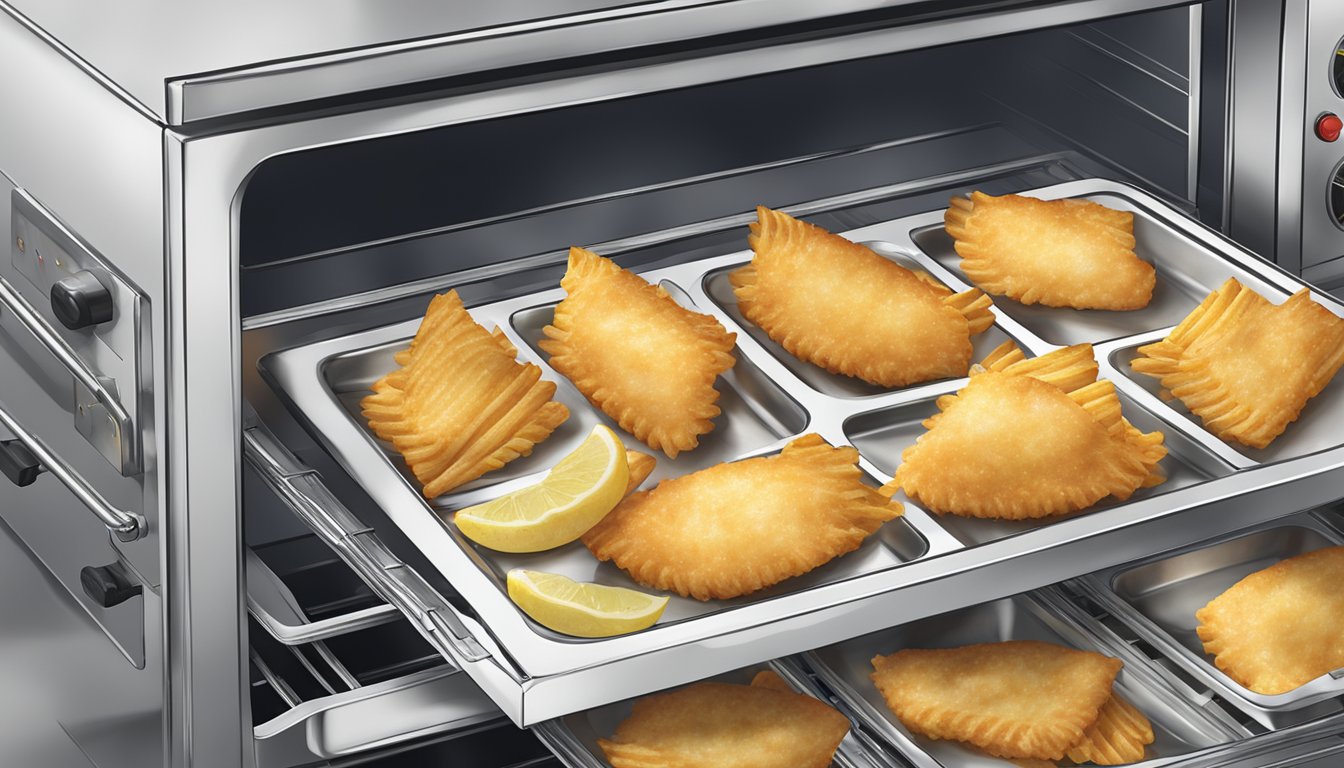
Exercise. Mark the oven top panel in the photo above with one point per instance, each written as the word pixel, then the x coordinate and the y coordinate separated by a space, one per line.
pixel 179 64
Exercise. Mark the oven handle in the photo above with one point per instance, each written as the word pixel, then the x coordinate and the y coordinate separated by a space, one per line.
pixel 127 526
pixel 60 349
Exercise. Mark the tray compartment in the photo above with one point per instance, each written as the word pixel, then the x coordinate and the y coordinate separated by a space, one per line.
pixel 1158 599
pixel 845 668
pixel 1314 430
pixel 881 436
pixel 574 737
pixel 720 291
pixel 1186 273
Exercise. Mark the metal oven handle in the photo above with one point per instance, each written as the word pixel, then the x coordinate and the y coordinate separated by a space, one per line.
pixel 127 526
pixel 27 316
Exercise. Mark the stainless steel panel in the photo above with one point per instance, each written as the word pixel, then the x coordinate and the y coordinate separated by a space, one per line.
pixel 846 667
pixel 1158 597
pixel 573 738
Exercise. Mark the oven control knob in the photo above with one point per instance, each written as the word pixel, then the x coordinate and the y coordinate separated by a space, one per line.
pixel 81 301
pixel 109 585
pixel 1329 126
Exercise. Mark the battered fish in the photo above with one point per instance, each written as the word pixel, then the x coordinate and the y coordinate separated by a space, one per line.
pixel 1282 627
pixel 647 362
pixel 1060 253
pixel 1246 367
pixel 840 306
pixel 1017 699
pixel 718 725
pixel 461 405
pixel 736 528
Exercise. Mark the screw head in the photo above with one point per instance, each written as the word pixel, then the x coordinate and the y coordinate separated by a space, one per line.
pixel 20 245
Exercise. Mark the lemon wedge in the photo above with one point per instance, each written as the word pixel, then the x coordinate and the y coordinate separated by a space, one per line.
pixel 577 493
pixel 580 609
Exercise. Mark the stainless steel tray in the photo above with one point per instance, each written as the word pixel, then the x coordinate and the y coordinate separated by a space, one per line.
pixel 1158 597
pixel 919 565
pixel 845 667
pixel 573 738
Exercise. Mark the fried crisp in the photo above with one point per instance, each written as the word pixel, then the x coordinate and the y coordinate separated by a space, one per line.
pixel 1281 627
pixel 647 362
pixel 461 404
pixel 839 305
pixel 768 678
pixel 1117 738
pixel 1017 699
pixel 736 528
pixel 641 466
pixel 718 725
pixel 1246 367
pixel 1060 253
pixel 1013 444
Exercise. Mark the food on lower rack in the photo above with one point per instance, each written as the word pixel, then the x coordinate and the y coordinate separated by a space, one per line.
pixel 581 609
pixel 1028 439
pixel 1060 253
pixel 1281 627
pixel 839 305
pixel 720 725
pixel 461 404
pixel 646 361
pixel 578 492
pixel 733 529
pixel 1245 366
pixel 1020 699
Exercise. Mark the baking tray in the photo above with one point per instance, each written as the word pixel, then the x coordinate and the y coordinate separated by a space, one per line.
pixel 1157 598
pixel 919 564
pixel 845 668
pixel 573 738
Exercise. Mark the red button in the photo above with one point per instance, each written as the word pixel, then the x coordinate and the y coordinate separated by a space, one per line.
pixel 1328 126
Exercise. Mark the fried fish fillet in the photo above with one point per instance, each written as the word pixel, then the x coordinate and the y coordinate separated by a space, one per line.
pixel 1060 253
pixel 736 528
pixel 719 725
pixel 1014 444
pixel 647 362
pixel 461 404
pixel 1017 699
pixel 1281 627
pixel 840 306
pixel 1245 366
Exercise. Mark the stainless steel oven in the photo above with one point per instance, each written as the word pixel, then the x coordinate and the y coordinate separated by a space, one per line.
pixel 222 220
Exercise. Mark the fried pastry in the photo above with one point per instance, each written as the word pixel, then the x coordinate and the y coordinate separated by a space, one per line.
pixel 1060 253
pixel 1281 627
pixel 768 678
pixel 719 725
pixel 647 362
pixel 732 529
pixel 641 466
pixel 840 306
pixel 461 404
pixel 1119 736
pixel 1245 366
pixel 1026 439
pixel 1017 699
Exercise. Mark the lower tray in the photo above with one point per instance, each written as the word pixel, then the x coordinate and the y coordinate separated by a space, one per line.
pixel 846 667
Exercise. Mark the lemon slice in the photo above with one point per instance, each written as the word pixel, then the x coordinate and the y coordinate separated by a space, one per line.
pixel 582 610
pixel 576 494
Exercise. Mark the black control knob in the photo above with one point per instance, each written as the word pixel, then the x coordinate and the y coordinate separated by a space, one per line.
pixel 18 463
pixel 81 301
pixel 109 585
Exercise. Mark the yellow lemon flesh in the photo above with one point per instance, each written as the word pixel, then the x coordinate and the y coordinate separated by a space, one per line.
pixel 576 494
pixel 582 610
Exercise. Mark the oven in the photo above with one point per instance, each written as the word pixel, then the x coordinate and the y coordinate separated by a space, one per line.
pixel 223 222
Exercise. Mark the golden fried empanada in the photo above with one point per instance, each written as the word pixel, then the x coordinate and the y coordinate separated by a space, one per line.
pixel 646 361
pixel 839 305
pixel 1118 737
pixel 1245 366
pixel 1281 627
pixel 768 678
pixel 1013 444
pixel 735 528
pixel 461 404
pixel 1017 699
pixel 1060 253
pixel 719 725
